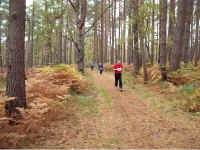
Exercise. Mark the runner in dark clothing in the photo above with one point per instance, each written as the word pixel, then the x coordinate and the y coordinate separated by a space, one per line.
pixel 100 68
pixel 118 74
pixel 92 66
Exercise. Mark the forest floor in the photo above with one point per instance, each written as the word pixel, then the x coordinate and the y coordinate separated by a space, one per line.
pixel 138 117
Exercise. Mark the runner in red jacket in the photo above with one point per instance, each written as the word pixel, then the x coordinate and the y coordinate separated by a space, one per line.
pixel 118 74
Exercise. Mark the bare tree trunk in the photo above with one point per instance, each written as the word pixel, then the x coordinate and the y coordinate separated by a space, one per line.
pixel 70 53
pixel 197 47
pixel 152 36
pixel 105 32
pixel 60 50
pixel 30 49
pixel 144 60
pixel 135 5
pixel 28 44
pixel 95 56
pixel 101 54
pixel 47 50
pixel 110 32
pixel 119 36
pixel 162 38
pixel 15 54
pixel 113 34
pixel 80 21
pixel 192 39
pixel 130 37
pixel 179 35
pixel 171 31
pixel 65 50
pixel 1 60
pixel 124 33
pixel 189 14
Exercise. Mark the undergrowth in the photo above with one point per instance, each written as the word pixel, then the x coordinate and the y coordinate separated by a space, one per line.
pixel 50 95
pixel 182 89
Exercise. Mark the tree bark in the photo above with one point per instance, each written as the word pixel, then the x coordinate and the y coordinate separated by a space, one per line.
pixel 15 54
pixel 189 13
pixel 60 50
pixel 197 47
pixel 70 52
pixel 113 34
pixel 101 54
pixel 30 49
pixel 95 54
pixel 105 32
pixel 1 61
pixel 171 31
pixel 135 6
pixel 124 33
pixel 119 35
pixel 130 36
pixel 176 59
pixel 65 50
pixel 162 38
pixel 152 36
pixel 47 50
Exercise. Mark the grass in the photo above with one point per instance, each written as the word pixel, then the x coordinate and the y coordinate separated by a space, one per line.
pixel 112 142
pixel 162 102
pixel 106 97
pixel 86 104
pixel 3 85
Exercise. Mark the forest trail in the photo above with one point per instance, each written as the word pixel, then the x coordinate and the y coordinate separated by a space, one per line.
pixel 134 124
pixel 124 120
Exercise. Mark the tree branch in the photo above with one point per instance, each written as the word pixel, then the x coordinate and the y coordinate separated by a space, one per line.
pixel 73 5
pixel 98 18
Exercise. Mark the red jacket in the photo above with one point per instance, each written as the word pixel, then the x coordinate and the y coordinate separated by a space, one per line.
pixel 118 68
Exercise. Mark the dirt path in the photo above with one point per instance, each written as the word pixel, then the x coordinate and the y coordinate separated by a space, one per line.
pixel 126 121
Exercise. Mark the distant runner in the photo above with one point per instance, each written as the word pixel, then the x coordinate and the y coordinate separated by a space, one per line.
pixel 92 66
pixel 118 74
pixel 100 68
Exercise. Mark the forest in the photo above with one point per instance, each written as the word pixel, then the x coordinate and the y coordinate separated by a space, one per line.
pixel 61 61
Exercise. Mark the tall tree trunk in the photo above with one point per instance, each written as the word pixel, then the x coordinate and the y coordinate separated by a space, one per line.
pixel 192 39
pixel 113 34
pixel 80 50
pixel 70 52
pixel 130 36
pixel 1 61
pixel 47 50
pixel 30 49
pixel 176 59
pixel 15 54
pixel 119 35
pixel 135 6
pixel 197 47
pixel 152 35
pixel 95 54
pixel 28 43
pixel 102 33
pixel 80 22
pixel 189 13
pixel 143 39
pixel 105 32
pixel 171 30
pixel 124 33
pixel 60 50
pixel 162 38
pixel 65 50
pixel 144 59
